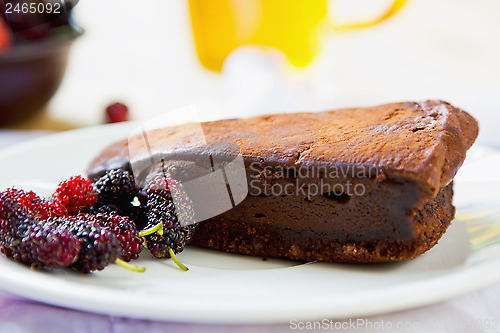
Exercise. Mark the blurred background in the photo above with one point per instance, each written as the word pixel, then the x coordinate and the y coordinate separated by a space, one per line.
pixel 144 55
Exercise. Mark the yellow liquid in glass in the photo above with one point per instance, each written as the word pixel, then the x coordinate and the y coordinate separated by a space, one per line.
pixel 220 26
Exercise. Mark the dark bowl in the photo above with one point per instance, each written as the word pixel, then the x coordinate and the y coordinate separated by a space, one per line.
pixel 30 74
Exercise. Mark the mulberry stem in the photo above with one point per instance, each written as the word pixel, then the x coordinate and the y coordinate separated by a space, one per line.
pixel 130 267
pixel 152 230
pixel 177 262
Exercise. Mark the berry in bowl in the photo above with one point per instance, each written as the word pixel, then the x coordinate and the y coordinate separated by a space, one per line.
pixel 35 38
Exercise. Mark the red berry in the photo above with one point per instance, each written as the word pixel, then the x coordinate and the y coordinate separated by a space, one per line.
pixel 34 205
pixel 116 113
pixel 75 194
pixel 5 37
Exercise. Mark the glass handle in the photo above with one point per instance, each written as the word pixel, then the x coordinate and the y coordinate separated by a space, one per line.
pixel 396 6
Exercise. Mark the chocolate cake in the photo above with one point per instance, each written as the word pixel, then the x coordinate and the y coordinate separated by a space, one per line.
pixel 359 185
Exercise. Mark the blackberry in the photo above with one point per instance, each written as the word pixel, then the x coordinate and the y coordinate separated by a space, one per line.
pixel 136 214
pixel 138 210
pixel 110 209
pixel 116 186
pixel 175 238
pixel 99 247
pixel 161 208
pixel 172 233
pixel 10 207
pixel 46 245
pixel 124 230
pixel 14 217
pixel 14 222
pixel 12 232
pixel 75 194
pixel 173 191
pixel 139 216
pixel 26 239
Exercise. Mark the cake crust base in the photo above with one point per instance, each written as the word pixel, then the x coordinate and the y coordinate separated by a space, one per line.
pixel 267 240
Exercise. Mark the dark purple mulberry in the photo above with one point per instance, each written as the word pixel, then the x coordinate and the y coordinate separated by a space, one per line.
pixel 116 186
pixel 124 230
pixel 99 247
pixel 30 241
pixel 46 245
pixel 177 218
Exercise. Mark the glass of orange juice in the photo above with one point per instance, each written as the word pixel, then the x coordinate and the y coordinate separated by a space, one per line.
pixel 220 26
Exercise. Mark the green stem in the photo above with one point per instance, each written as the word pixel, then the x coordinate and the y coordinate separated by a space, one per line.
pixel 130 267
pixel 151 230
pixel 177 262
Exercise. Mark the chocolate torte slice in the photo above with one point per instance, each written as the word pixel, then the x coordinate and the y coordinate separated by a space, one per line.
pixel 360 185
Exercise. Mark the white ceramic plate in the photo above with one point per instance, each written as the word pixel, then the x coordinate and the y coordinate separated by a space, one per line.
pixel 231 288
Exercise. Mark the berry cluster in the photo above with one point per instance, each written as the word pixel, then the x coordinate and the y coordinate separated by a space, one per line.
pixel 166 226
pixel 87 226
